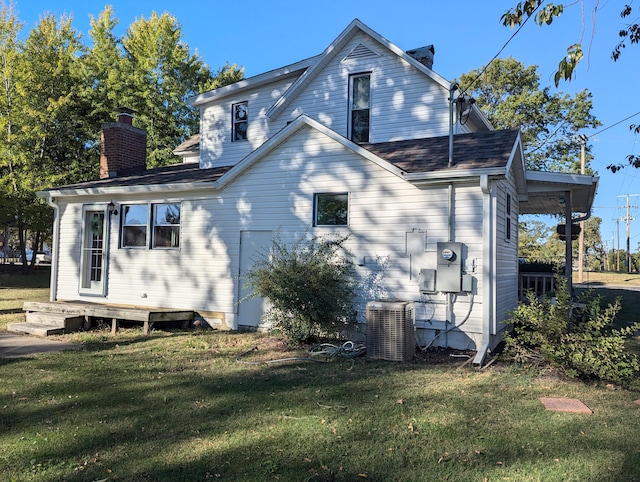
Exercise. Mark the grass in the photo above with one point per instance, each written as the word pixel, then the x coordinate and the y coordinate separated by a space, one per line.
pixel 198 405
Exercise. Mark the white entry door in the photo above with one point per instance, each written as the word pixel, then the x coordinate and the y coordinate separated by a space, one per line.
pixel 94 252
pixel 252 245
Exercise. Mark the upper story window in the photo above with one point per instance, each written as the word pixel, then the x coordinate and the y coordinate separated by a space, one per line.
pixel 331 209
pixel 359 107
pixel 240 118
pixel 162 228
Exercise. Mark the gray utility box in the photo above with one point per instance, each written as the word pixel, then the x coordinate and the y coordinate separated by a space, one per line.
pixel 449 278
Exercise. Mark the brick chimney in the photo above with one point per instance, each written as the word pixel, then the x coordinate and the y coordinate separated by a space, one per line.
pixel 123 148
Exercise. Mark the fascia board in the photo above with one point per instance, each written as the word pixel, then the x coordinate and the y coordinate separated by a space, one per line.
pixel 561 178
pixel 520 170
pixel 453 175
pixel 287 132
pixel 252 82
pixel 125 190
pixel 332 50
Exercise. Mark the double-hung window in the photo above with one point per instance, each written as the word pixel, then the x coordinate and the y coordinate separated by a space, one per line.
pixel 155 225
pixel 135 218
pixel 166 226
pixel 240 120
pixel 331 209
pixel 359 107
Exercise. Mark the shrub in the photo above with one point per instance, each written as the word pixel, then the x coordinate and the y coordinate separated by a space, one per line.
pixel 579 338
pixel 309 286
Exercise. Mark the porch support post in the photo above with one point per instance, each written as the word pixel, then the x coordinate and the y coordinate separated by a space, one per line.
pixel 568 268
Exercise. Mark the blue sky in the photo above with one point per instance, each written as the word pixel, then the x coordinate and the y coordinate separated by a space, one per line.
pixel 262 35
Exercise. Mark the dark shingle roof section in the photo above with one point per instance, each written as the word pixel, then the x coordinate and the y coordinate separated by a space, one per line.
pixel 175 174
pixel 190 145
pixel 484 149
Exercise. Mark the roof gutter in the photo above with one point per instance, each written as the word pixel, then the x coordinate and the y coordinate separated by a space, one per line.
pixel 452 174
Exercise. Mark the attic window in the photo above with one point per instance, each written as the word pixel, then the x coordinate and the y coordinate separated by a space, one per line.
pixel 240 118
pixel 359 107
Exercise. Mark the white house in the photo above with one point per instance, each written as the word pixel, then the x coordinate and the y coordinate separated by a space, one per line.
pixel 360 140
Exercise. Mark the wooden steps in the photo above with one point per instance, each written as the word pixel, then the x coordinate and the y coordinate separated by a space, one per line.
pixel 45 324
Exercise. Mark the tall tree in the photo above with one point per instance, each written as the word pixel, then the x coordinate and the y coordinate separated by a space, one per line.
pixel 544 13
pixel 511 96
pixel 162 74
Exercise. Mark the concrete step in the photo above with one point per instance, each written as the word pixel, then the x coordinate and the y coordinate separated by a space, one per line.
pixel 58 320
pixel 34 329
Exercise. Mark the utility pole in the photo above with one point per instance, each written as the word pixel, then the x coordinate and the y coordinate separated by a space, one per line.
pixel 583 143
pixel 627 218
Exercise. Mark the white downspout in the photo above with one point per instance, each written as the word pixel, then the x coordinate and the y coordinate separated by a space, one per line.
pixel 53 290
pixel 450 207
pixel 488 274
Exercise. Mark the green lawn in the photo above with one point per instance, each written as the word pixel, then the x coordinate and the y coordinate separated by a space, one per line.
pixel 184 405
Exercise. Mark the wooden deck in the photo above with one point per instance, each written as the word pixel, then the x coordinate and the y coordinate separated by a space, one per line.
pixel 148 316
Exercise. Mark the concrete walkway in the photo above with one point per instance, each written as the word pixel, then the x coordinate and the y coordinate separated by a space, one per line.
pixel 13 346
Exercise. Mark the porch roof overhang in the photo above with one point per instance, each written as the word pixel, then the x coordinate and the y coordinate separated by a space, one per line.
pixel 547 193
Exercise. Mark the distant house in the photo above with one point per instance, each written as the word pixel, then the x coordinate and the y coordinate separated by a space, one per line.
pixel 361 140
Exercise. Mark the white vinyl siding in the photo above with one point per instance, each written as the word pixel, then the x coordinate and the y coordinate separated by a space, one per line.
pixel 506 253
pixel 406 105
pixel 277 192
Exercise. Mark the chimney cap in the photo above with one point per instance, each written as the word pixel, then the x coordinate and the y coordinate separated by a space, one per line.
pixel 125 110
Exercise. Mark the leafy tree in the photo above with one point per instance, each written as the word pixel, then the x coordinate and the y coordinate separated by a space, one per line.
pixel 56 93
pixel 511 96
pixel 162 74
pixel 539 243
pixel 544 13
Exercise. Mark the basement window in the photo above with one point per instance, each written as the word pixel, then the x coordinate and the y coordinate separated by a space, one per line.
pixel 240 119
pixel 331 209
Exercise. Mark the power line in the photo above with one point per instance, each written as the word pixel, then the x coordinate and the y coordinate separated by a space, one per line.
pixel 502 49
pixel 613 125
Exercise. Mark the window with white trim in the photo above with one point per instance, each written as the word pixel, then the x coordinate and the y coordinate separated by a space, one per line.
pixel 135 219
pixel 359 107
pixel 240 120
pixel 166 226
pixel 507 227
pixel 331 209
pixel 154 225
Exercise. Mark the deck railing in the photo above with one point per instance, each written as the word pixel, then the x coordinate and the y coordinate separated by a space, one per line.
pixel 540 283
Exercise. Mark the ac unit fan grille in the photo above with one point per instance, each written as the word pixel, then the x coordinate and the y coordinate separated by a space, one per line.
pixel 390 333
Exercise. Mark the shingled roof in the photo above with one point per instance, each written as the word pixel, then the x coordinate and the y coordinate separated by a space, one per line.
pixel 470 151
pixel 484 149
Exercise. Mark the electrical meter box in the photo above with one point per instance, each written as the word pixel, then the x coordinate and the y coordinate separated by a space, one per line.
pixel 449 267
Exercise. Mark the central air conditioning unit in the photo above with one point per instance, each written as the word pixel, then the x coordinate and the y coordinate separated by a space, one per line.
pixel 390 334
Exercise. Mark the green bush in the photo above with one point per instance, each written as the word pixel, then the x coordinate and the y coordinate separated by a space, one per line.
pixel 309 286
pixel 580 338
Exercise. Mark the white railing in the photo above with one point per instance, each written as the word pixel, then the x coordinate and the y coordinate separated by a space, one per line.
pixel 539 283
